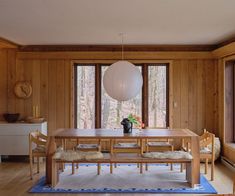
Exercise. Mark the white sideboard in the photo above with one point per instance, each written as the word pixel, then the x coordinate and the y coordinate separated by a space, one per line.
pixel 14 137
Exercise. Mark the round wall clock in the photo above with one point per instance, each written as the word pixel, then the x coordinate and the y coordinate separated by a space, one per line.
pixel 23 89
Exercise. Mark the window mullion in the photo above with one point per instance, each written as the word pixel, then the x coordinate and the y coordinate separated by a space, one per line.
pixel 97 96
pixel 145 95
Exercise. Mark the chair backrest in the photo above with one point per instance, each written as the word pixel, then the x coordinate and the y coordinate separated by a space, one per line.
pixel 160 140
pixel 207 139
pixel 36 138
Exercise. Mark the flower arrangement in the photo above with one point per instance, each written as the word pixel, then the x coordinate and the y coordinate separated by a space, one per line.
pixel 136 120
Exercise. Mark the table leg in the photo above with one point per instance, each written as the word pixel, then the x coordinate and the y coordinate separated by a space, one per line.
pixel 193 171
pixel 51 148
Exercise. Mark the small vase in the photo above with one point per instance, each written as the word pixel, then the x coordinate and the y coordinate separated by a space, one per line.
pixel 127 125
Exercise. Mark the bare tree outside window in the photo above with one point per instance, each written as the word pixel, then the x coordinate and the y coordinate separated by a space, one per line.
pixel 113 111
pixel 157 102
pixel 85 97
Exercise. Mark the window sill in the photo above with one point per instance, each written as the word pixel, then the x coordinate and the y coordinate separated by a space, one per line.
pixel 230 145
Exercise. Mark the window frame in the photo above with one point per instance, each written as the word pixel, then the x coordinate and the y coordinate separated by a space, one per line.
pixel 98 88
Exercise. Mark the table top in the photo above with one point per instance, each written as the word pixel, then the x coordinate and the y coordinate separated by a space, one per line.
pixel 118 133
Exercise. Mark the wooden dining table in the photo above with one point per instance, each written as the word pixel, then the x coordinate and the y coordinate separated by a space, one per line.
pixel 192 176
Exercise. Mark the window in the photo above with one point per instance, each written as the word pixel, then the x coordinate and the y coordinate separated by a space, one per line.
pixel 95 109
pixel 229 101
pixel 157 96
pixel 85 96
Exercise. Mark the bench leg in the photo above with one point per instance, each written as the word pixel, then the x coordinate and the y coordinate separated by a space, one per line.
pixel 181 167
pixel 55 174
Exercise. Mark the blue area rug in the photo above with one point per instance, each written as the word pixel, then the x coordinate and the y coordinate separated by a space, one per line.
pixel 86 181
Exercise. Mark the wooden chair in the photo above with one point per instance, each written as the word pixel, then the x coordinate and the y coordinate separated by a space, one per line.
pixel 37 148
pixel 86 147
pixel 158 145
pixel 125 146
pixel 207 150
pixel 208 153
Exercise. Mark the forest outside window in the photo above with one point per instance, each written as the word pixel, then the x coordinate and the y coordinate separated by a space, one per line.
pixel 95 109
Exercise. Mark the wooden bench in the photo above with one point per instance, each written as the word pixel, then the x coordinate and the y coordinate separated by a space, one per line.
pixel 122 158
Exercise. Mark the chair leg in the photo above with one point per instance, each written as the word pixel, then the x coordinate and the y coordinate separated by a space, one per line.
pixel 63 167
pixel 115 165
pixel 206 166
pixel 77 166
pixel 98 168
pixel 37 164
pixel 111 168
pixel 141 167
pixel 138 165
pixel 212 169
pixel 31 167
pixel 171 165
pixel 146 166
pixel 73 168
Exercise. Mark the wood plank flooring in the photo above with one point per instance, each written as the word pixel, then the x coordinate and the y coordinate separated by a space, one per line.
pixel 15 180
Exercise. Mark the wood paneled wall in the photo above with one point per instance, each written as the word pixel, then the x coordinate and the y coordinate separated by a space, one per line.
pixel 193 79
pixel 195 95
pixel 50 81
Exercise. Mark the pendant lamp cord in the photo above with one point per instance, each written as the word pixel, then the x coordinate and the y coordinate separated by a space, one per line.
pixel 122 36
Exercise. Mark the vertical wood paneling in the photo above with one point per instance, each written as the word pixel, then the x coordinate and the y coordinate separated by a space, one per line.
pixel 3 82
pixel 60 97
pixel 184 96
pixel 28 76
pixel 11 78
pixel 201 96
pixel 176 93
pixel 52 64
pixel 20 76
pixel 67 93
pixel 192 95
pixel 44 91
pixel 210 93
pixel 35 85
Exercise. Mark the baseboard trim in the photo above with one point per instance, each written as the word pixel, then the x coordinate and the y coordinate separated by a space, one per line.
pixel 229 164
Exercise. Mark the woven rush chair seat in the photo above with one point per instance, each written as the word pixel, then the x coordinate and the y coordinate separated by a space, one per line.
pixel 40 149
pixel 205 150
pixel 88 146
pixel 159 144
pixel 126 145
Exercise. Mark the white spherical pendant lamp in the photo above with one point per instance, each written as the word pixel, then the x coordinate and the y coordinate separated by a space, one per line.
pixel 122 81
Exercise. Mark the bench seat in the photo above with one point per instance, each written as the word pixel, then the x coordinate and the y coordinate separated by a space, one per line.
pixel 117 158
